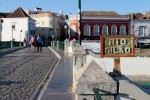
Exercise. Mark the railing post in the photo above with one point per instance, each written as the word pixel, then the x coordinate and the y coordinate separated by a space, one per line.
pixel 66 45
pixel 58 44
pixel 51 43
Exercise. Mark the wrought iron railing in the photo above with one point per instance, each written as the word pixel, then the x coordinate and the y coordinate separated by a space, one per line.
pixel 61 46
pixel 97 96
pixel 55 44
pixel 7 44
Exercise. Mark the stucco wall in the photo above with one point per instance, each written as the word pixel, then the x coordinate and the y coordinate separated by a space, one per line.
pixel 135 24
pixel 129 65
pixel 20 24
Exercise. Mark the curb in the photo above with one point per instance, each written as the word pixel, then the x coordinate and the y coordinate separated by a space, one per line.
pixel 38 92
pixel 6 51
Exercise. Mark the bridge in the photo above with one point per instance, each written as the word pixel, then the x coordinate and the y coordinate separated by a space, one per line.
pixel 27 75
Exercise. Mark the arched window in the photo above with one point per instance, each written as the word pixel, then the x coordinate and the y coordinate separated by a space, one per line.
pixel 122 30
pixel 87 30
pixel 114 30
pixel 96 30
pixel 73 30
pixel 105 30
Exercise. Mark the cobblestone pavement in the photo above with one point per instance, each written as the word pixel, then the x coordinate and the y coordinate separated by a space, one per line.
pixel 22 71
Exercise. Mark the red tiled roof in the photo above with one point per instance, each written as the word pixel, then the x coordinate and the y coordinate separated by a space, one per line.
pixel 4 15
pixel 104 14
pixel 99 13
pixel 136 16
pixel 18 13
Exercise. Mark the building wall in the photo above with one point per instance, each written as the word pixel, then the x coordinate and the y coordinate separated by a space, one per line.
pixel 135 24
pixel 100 22
pixel 20 24
pixel 47 24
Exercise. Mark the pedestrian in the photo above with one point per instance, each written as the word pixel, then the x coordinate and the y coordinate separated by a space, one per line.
pixel 24 42
pixel 39 43
pixel 32 43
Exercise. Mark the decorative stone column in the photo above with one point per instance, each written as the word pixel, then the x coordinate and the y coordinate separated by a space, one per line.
pixel 57 44
pixel 78 61
pixel 51 43
pixel 79 58
pixel 66 43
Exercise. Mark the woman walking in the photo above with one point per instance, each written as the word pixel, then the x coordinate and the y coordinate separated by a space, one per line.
pixel 32 43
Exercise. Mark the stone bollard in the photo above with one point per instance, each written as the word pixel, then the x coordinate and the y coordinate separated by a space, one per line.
pixel 51 43
pixel 57 44
pixel 66 42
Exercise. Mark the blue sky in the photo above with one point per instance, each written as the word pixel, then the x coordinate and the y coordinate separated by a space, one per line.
pixel 71 6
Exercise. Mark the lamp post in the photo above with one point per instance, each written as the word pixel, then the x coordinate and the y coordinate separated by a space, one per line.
pixel 12 28
pixel 1 21
pixel 66 28
pixel 79 22
pixel 20 37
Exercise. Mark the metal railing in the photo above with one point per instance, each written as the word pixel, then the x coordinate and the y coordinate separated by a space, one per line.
pixel 97 96
pixel 61 46
pixel 55 44
pixel 7 44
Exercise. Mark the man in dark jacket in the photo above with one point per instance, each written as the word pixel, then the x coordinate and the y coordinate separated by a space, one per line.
pixel 39 43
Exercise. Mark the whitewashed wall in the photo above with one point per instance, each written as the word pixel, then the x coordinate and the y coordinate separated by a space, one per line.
pixel 129 65
pixel 21 24
pixel 134 26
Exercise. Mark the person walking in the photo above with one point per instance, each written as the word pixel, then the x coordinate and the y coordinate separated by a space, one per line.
pixel 24 42
pixel 32 43
pixel 39 43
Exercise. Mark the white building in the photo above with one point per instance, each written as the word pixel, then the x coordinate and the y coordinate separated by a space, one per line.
pixel 17 26
pixel 47 23
pixel 140 25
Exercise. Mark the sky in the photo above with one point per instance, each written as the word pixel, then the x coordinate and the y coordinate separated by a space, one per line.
pixel 71 6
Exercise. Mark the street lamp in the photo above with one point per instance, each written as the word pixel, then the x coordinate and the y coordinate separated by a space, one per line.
pixel 66 28
pixel 1 21
pixel 12 28
pixel 79 22
pixel 20 36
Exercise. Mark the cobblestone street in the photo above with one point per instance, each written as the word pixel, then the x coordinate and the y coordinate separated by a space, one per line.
pixel 22 71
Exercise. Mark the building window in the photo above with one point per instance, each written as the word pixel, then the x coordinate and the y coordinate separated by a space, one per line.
pixel 105 30
pixel 114 30
pixel 96 30
pixel 141 31
pixel 51 23
pixel 122 30
pixel 87 30
pixel 73 30
pixel 42 22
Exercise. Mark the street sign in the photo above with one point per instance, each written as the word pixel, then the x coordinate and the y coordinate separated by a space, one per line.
pixel 117 46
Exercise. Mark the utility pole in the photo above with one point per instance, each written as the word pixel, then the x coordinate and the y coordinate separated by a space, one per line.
pixel 79 22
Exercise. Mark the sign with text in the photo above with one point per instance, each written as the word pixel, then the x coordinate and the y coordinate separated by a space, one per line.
pixel 117 46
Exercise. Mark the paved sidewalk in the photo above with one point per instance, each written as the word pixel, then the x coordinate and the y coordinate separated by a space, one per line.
pixel 60 86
